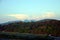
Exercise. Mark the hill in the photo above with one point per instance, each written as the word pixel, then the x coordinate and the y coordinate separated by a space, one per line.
pixel 46 26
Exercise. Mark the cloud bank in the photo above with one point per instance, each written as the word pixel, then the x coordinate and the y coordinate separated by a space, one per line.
pixel 33 17
pixel 48 15
pixel 19 16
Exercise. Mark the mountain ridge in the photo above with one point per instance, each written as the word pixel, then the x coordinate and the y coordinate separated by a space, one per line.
pixel 46 26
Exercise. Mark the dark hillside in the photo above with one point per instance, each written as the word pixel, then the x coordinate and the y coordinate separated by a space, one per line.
pixel 46 26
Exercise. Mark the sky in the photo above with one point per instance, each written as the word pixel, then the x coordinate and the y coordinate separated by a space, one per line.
pixel 11 10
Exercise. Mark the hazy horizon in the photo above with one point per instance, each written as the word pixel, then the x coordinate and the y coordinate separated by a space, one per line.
pixel 12 10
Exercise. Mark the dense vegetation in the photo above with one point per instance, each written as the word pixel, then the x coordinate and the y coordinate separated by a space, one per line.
pixel 46 26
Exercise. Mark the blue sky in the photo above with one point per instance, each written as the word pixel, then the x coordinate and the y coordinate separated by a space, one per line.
pixel 29 9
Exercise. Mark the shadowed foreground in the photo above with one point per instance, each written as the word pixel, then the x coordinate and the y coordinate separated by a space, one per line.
pixel 21 36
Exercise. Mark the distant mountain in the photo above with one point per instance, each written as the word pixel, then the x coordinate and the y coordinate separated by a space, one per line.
pixel 46 26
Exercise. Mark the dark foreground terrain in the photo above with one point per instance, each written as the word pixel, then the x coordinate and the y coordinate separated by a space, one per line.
pixel 8 36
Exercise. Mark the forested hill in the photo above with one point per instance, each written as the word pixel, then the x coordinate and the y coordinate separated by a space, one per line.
pixel 46 26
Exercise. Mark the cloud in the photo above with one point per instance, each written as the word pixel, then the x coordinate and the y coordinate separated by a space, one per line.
pixel 33 17
pixel 48 15
pixel 19 16
pixel 44 16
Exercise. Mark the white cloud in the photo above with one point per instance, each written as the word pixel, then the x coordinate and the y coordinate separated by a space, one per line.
pixel 44 16
pixel 33 17
pixel 48 15
pixel 19 16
